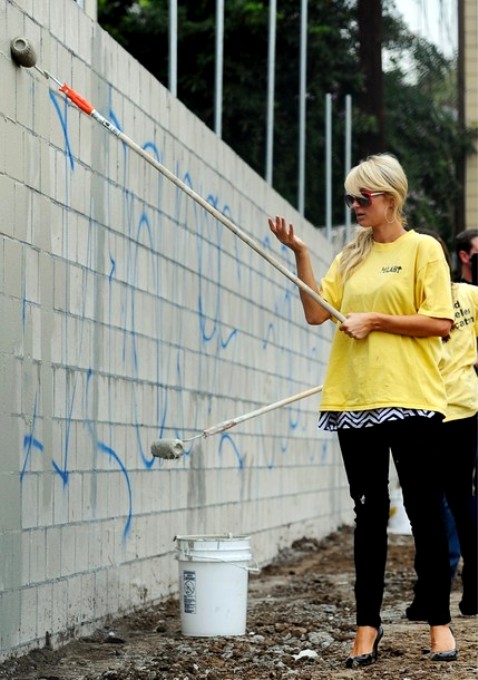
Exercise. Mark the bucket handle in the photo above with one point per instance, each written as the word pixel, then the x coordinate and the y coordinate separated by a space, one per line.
pixel 252 570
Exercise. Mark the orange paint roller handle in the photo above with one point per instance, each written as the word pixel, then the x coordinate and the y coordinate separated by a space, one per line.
pixel 77 99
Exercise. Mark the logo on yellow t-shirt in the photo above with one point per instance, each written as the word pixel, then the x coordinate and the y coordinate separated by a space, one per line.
pixel 394 269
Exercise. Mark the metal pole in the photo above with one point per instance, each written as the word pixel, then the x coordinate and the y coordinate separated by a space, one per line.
pixel 270 90
pixel 219 66
pixel 173 47
pixel 302 101
pixel 328 165
pixel 348 157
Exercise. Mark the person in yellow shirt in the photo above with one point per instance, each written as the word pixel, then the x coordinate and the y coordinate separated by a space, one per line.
pixel 466 249
pixel 459 437
pixel 383 390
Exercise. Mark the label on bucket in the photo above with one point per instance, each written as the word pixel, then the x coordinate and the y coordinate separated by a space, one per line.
pixel 189 592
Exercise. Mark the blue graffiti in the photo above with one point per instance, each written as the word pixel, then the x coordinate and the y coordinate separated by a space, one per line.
pixel 142 232
pixel 63 115
pixel 227 439
pixel 104 448
pixel 112 454
pixel 30 442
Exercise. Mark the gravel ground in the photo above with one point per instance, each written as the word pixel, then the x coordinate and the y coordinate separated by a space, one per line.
pixel 300 624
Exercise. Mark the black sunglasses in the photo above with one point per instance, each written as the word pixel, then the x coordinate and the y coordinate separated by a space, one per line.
pixel 364 200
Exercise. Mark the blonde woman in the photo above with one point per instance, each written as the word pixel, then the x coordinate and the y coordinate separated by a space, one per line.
pixel 383 390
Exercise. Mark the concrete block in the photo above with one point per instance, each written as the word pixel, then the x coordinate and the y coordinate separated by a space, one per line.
pixel 60 607
pixel 58 20
pixel 81 548
pixel 28 614
pixel 45 611
pixel 53 552
pixel 14 140
pixel 75 491
pixel 24 100
pixel 101 590
pixel 10 603
pixel 14 80
pixel 14 21
pixel 7 196
pixel 68 550
pixel 13 253
pixel 37 556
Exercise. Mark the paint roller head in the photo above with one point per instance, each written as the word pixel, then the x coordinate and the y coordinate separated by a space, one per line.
pixel 167 448
pixel 22 52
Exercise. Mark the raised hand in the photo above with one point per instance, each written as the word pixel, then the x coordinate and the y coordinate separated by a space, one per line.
pixel 285 233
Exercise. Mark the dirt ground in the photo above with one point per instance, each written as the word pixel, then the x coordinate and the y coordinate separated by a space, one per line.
pixel 303 602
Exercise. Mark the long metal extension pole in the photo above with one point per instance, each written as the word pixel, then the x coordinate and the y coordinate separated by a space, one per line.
pixel 85 106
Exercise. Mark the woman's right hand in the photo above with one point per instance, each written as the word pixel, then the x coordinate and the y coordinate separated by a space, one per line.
pixel 285 234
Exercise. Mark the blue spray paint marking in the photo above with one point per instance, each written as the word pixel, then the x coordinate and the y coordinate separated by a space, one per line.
pixel 63 470
pixel 113 117
pixel 55 98
pixel 216 324
pixel 113 268
pixel 30 442
pixel 129 210
pixel 227 439
pixel 226 211
pixel 110 452
pixel 130 335
pixel 24 312
pixel 142 225
pixel 230 337
pixel 150 146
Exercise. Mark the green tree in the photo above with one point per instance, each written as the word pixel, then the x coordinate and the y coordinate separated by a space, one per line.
pixel 423 130
pixel 420 119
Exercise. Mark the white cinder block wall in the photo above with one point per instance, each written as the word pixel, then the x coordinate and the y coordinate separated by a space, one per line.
pixel 128 314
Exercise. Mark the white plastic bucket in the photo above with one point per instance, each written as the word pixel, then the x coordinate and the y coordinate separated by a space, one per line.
pixel 398 522
pixel 213 578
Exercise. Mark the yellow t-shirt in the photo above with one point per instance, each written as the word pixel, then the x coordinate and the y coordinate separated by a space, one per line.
pixel 408 276
pixel 459 354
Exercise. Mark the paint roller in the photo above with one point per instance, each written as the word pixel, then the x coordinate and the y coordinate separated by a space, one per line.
pixel 24 55
pixel 174 448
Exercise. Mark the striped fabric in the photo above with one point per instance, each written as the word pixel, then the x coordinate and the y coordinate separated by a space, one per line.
pixel 336 420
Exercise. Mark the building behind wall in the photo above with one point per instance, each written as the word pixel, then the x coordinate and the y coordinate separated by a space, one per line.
pixel 469 33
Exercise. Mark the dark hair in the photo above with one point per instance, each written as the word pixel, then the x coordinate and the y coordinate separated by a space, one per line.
pixel 463 240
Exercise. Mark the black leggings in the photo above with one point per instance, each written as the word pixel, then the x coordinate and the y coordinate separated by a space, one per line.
pixel 459 446
pixel 414 443
pixel 458 450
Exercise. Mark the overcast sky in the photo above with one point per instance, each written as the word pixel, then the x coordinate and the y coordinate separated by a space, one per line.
pixel 435 20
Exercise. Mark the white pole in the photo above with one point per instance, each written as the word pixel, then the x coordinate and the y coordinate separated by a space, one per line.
pixel 328 165
pixel 270 91
pixel 302 101
pixel 173 47
pixel 348 158
pixel 219 66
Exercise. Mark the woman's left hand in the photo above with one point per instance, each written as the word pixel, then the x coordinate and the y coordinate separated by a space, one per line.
pixel 357 325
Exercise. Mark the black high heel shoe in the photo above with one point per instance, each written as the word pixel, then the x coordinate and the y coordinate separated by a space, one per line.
pixel 365 659
pixel 449 655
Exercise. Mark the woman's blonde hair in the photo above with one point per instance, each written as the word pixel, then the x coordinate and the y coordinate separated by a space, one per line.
pixel 380 172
